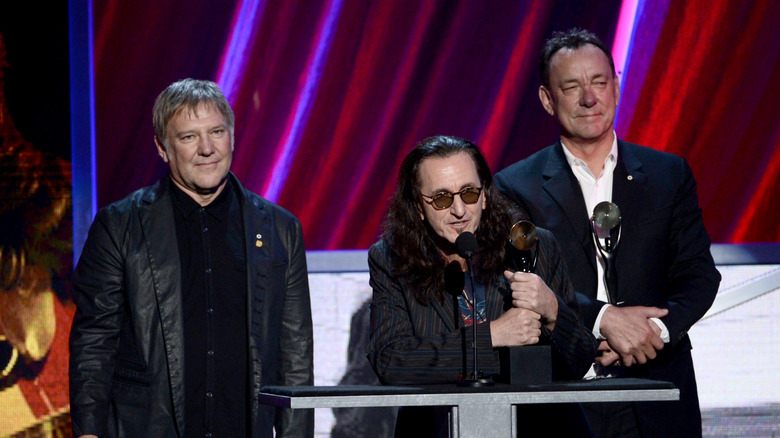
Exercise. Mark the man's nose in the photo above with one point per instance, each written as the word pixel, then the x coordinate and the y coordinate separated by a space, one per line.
pixel 458 207
pixel 206 146
pixel 588 97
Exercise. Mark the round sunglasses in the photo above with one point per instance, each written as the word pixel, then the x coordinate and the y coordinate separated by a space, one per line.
pixel 442 200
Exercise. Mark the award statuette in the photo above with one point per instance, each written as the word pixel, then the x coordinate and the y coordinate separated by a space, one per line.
pixel 527 364
pixel 522 249
pixel 605 224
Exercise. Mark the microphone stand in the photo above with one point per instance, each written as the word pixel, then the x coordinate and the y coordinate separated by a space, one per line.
pixel 476 379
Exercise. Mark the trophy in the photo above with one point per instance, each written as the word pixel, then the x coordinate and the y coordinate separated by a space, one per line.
pixel 606 222
pixel 523 239
pixel 528 364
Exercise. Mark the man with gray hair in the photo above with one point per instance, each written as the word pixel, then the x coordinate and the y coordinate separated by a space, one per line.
pixel 191 294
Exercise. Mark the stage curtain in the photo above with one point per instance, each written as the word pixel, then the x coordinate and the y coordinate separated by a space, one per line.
pixel 330 95
pixel 702 83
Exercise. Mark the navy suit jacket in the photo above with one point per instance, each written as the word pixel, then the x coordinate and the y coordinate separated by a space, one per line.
pixel 663 258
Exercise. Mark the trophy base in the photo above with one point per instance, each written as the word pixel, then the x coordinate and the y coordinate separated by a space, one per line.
pixel 526 365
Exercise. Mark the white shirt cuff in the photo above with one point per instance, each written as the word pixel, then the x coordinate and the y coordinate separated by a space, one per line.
pixel 596 331
pixel 664 330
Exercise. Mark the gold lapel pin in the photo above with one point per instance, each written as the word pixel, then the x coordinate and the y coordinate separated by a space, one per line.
pixel 258 242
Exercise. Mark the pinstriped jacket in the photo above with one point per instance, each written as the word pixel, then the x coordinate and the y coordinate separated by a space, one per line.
pixel 414 343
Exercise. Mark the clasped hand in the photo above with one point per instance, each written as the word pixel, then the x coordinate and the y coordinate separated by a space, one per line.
pixel 530 292
pixel 533 303
pixel 631 336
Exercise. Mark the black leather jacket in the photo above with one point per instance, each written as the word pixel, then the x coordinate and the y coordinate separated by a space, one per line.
pixel 126 342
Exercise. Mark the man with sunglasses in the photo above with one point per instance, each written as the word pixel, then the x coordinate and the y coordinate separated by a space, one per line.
pixel 422 304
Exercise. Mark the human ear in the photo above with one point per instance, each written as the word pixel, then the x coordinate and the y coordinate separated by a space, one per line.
pixel 546 97
pixel 162 151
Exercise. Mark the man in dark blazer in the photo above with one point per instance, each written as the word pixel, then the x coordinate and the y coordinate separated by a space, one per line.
pixel 191 295
pixel 666 278
pixel 422 305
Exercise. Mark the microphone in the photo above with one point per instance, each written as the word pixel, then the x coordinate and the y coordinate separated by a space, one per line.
pixel 466 245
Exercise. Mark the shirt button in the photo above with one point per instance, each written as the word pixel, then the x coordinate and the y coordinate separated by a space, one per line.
pixel 209 394
pixel 201 210
pixel 206 229
pixel 209 310
pixel 210 352
pixel 208 270
pixel 208 435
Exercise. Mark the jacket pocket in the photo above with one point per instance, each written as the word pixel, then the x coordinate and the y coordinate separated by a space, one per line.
pixel 133 373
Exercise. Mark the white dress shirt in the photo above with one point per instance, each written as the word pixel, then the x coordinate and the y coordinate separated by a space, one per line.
pixel 596 189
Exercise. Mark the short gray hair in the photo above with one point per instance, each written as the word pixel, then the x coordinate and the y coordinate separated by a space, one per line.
pixel 188 94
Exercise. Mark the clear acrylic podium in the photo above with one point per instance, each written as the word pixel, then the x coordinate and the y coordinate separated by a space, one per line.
pixel 474 412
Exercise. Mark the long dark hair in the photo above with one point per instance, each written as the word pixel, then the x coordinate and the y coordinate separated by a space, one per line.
pixel 416 257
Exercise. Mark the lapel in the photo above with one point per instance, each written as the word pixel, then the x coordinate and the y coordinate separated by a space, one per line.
pixel 159 228
pixel 447 312
pixel 572 215
pixel 259 245
pixel 496 292
pixel 628 186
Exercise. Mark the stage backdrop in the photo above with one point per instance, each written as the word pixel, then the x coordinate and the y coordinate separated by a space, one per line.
pixel 330 95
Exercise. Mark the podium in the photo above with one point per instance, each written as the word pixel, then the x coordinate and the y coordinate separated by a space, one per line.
pixel 474 412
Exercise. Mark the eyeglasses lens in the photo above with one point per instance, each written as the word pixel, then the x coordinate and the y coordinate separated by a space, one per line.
pixel 469 195
pixel 443 200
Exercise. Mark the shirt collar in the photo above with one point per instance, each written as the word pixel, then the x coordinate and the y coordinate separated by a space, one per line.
pixel 187 206
pixel 608 161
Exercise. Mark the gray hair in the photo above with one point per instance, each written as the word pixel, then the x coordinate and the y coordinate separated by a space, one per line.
pixel 188 94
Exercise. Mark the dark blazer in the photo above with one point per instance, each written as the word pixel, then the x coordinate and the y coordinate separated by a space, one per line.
pixel 414 343
pixel 126 363
pixel 663 258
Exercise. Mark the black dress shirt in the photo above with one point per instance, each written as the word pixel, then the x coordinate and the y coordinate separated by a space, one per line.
pixel 214 304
